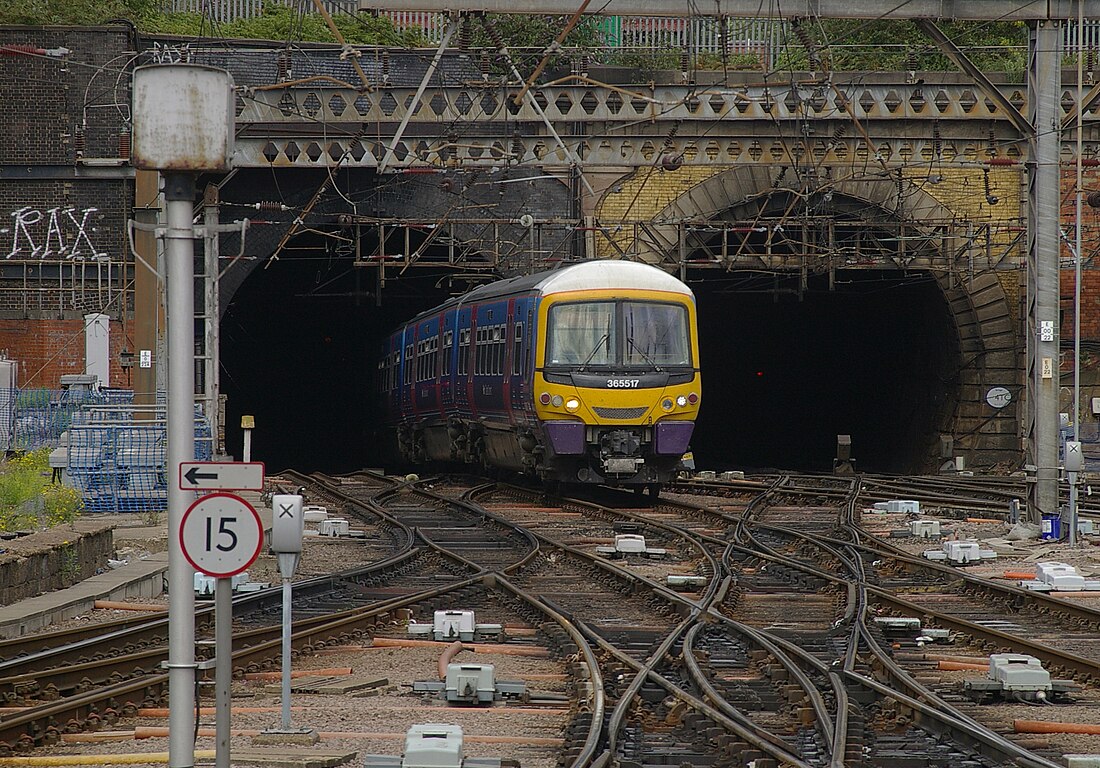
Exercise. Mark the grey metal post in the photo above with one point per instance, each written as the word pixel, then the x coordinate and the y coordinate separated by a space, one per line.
pixel 1044 89
pixel 223 668
pixel 286 652
pixel 1079 183
pixel 211 310
pixel 1072 508
pixel 179 193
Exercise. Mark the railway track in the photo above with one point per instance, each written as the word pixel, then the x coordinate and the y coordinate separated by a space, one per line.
pixel 744 631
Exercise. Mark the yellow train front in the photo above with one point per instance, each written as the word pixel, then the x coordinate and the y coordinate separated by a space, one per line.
pixel 585 374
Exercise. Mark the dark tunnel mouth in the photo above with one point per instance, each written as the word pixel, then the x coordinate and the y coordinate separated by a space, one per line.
pixel 787 366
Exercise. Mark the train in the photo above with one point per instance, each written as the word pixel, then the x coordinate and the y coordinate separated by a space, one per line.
pixel 585 374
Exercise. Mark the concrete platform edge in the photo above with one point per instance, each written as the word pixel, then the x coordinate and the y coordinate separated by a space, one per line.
pixel 141 578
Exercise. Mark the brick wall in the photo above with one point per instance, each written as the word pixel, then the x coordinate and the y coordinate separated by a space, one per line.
pixel 49 349
pixel 63 246
pixel 48 102
pixel 1090 304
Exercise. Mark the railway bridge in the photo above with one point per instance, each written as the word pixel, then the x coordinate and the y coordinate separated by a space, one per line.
pixel 874 253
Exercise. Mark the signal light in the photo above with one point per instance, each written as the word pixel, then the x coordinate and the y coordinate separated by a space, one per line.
pixel 556 400
pixel 681 401
pixel 544 398
pixel 693 398
pixel 572 404
pixel 666 404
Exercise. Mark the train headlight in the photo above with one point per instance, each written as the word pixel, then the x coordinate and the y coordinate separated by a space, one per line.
pixel 667 404
pixel 693 398
pixel 544 398
pixel 572 404
pixel 556 400
pixel 681 401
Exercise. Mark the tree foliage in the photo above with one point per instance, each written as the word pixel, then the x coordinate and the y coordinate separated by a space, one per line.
pixel 834 44
pixel 277 21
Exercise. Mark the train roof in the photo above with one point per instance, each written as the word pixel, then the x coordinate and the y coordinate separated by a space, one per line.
pixel 587 275
pixel 599 274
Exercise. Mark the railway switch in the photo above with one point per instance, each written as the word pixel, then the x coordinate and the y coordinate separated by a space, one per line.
pixel 908 626
pixel 686 582
pixel 1059 577
pixel 960 553
pixel 474 684
pixel 457 625
pixel 1017 676
pixel 895 506
pixel 925 529
pixel 627 544
pixel 430 745
pixel 334 526
pixel 204 584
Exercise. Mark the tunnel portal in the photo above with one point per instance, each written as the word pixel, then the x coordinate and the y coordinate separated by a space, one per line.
pixel 785 370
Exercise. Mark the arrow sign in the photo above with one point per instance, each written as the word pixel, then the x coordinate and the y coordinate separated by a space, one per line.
pixel 221 475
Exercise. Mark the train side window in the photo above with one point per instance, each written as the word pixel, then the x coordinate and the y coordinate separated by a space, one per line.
pixel 448 351
pixel 517 351
pixel 409 364
pixel 481 344
pixel 463 351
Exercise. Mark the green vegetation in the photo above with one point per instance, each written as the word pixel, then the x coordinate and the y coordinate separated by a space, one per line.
pixel 833 44
pixel 28 499
pixel 276 22
pixel 892 46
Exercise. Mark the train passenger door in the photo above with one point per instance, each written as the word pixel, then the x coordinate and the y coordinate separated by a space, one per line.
pixel 407 342
pixel 519 369
pixel 447 341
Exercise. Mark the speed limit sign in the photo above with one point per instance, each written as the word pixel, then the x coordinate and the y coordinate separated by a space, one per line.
pixel 221 534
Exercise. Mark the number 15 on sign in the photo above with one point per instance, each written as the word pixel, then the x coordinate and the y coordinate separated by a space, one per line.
pixel 221 534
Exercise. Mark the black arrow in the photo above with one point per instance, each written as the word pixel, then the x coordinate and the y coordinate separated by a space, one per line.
pixel 193 475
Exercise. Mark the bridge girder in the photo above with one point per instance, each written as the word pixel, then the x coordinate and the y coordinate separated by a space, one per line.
pixel 478 125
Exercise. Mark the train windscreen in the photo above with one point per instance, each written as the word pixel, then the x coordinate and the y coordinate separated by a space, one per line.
pixel 641 334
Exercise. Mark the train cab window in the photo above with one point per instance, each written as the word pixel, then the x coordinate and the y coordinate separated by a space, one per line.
pixel 655 334
pixel 581 334
pixel 635 334
pixel 517 351
pixel 448 351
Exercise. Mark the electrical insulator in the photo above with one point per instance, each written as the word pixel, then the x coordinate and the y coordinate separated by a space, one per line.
pixel 465 33
pixel 1093 199
pixel 484 65
pixel 124 145
pixel 269 205
pixel 283 65
pixel 79 141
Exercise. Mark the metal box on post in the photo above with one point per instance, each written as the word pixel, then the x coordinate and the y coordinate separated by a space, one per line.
pixel 187 118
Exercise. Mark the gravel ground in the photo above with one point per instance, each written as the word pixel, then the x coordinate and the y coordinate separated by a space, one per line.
pixel 391 710
pixel 1011 555
pixel 396 707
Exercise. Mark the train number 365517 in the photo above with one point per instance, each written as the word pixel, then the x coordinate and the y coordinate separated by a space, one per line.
pixel 622 383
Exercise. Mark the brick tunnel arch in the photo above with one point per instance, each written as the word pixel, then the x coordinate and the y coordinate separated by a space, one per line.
pixel 982 311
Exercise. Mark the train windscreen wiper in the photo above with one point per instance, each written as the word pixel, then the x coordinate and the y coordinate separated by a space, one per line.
pixel 605 341
pixel 647 358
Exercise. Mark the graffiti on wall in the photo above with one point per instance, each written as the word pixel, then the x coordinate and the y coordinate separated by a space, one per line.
pixel 171 53
pixel 57 233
